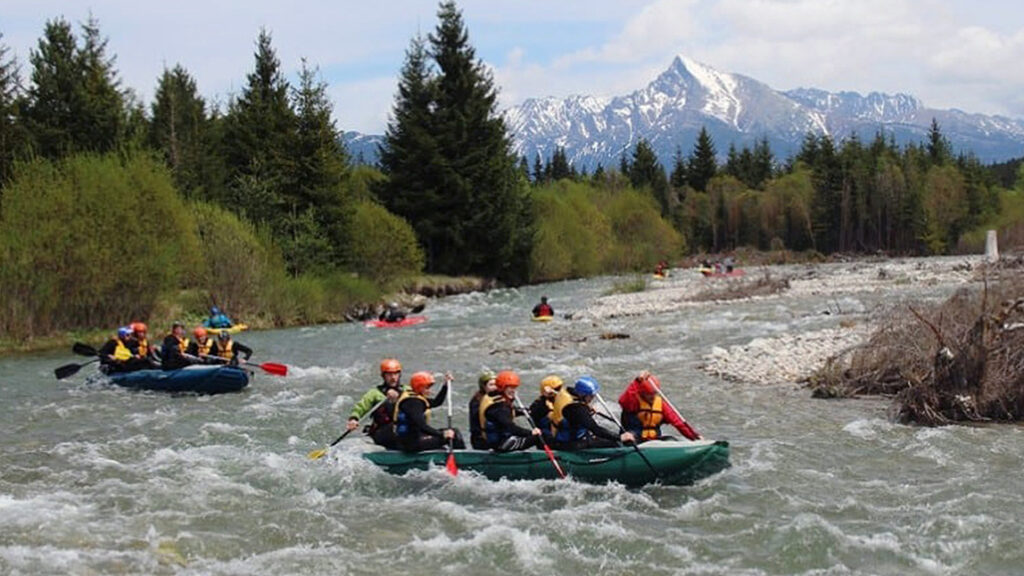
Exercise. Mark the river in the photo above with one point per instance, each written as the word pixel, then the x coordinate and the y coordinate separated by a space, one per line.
pixel 96 479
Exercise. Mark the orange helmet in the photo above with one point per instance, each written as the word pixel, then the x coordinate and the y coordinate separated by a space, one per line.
pixel 199 332
pixel 138 327
pixel 420 381
pixel 553 382
pixel 650 385
pixel 390 365
pixel 506 379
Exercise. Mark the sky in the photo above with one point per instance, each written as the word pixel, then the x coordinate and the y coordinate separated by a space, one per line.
pixel 964 54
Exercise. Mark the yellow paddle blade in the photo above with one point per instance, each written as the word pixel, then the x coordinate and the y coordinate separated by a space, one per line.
pixel 318 454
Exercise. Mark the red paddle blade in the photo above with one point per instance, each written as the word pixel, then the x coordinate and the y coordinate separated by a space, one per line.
pixel 275 369
pixel 551 456
pixel 450 464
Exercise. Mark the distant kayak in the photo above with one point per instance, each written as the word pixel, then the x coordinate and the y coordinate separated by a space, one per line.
pixel 659 276
pixel 197 379
pixel 671 463
pixel 233 330
pixel 407 321
pixel 710 273
pixel 542 318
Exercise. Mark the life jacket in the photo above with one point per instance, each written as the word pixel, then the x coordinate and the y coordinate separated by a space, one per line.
pixel 182 345
pixel 143 347
pixel 495 435
pixel 544 423
pixel 650 416
pixel 226 351
pixel 382 415
pixel 121 352
pixel 204 347
pixel 562 430
pixel 403 427
pixel 544 310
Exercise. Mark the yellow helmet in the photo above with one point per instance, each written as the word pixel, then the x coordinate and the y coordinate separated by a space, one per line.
pixel 553 382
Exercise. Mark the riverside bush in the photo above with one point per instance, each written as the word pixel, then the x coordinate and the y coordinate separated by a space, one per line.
pixel 90 241
pixel 382 246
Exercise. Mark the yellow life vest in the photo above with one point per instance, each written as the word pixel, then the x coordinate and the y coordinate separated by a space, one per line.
pixel 407 394
pixel 182 344
pixel 226 351
pixel 143 347
pixel 486 402
pixel 204 347
pixel 650 416
pixel 562 399
pixel 121 352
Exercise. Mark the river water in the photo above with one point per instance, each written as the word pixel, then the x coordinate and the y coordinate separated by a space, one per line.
pixel 96 479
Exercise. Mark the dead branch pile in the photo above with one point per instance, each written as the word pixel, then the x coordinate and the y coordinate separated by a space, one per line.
pixel 961 360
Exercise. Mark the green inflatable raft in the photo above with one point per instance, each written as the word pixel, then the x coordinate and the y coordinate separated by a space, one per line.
pixel 670 463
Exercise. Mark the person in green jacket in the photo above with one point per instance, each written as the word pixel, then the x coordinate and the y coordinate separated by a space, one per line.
pixel 383 396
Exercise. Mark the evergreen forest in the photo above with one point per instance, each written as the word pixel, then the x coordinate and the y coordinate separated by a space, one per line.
pixel 113 210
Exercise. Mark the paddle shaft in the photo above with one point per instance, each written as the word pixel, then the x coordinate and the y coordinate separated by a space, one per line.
pixel 669 402
pixel 622 431
pixel 368 412
pixel 547 449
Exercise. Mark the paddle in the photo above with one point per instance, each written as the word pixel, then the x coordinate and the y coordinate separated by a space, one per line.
pixel 317 454
pixel 67 370
pixel 622 431
pixel 418 308
pixel 83 349
pixel 547 449
pixel 269 367
pixel 450 461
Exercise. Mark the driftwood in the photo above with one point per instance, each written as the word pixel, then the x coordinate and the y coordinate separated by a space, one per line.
pixel 962 360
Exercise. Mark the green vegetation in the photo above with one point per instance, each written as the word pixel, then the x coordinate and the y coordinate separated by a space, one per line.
pixel 628 286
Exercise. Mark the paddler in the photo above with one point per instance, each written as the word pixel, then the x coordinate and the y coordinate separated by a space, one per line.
pixel 573 419
pixel 497 414
pixel 386 395
pixel 227 350
pixel 541 408
pixel 412 417
pixel 485 385
pixel 200 345
pixel 217 319
pixel 146 354
pixel 172 352
pixel 543 309
pixel 392 313
pixel 117 353
pixel 644 410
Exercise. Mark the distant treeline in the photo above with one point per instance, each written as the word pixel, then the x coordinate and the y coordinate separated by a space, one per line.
pixel 108 207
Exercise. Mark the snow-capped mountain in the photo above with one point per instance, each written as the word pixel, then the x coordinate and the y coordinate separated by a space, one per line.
pixel 670 111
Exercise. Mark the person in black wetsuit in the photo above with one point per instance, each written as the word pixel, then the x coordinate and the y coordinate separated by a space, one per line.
pixel 412 417
pixel 541 408
pixel 117 353
pixel 392 313
pixel 497 417
pixel 172 352
pixel 225 349
pixel 573 419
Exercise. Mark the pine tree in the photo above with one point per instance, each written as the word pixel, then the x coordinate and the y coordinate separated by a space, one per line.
pixel 538 170
pixel 646 172
pixel 678 179
pixel 560 165
pixel 702 164
pixel 103 113
pixel 12 134
pixel 763 164
pixel 939 149
pixel 259 141
pixel 179 129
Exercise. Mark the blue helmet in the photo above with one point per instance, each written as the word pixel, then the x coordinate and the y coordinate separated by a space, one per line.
pixel 124 332
pixel 586 386
pixel 214 311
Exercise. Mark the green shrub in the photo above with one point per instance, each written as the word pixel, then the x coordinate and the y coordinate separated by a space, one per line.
pixel 383 246
pixel 570 233
pixel 90 241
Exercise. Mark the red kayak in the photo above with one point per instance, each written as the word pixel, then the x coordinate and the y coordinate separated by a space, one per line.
pixel 408 321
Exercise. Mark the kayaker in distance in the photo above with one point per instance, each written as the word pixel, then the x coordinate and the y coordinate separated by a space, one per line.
pixel 644 410
pixel 574 421
pixel 543 309
pixel 412 417
pixel 485 385
pixel 386 394
pixel 118 352
pixel 217 319
pixel 497 414
pixel 172 352
pixel 541 408
pixel 227 350
pixel 392 313
pixel 200 345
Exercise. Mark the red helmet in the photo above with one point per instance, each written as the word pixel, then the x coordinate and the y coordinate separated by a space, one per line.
pixel 138 327
pixel 390 365
pixel 420 381
pixel 506 379
pixel 650 385
pixel 199 332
